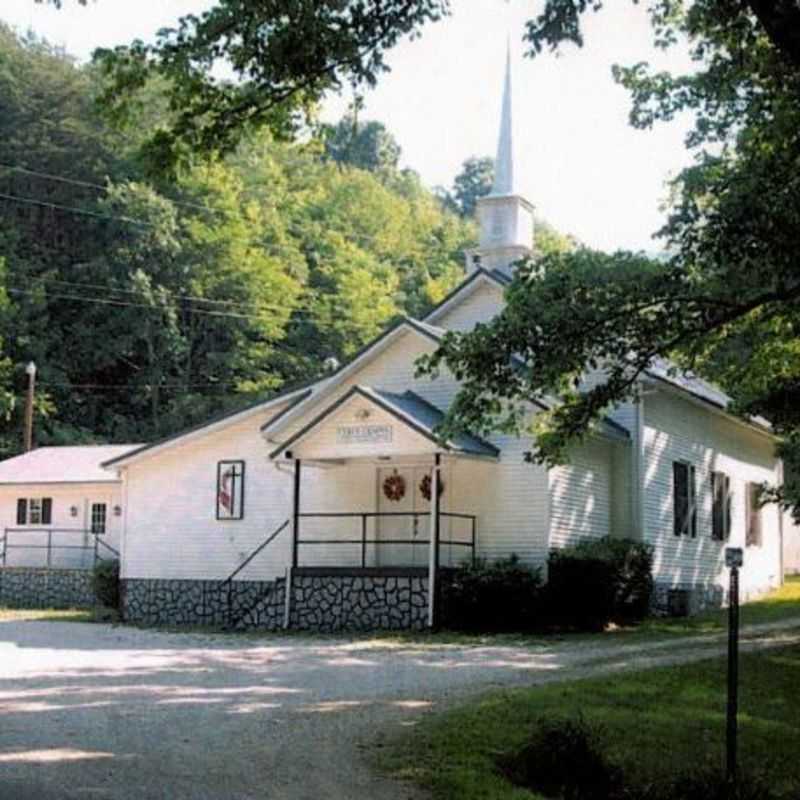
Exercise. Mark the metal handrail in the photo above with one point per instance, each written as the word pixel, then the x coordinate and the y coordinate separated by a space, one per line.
pixel 364 541
pixel 228 582
pixel 255 553
pixel 50 547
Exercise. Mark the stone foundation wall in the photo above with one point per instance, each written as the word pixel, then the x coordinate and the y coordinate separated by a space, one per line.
pixel 359 602
pixel 702 597
pixel 325 600
pixel 40 587
pixel 253 604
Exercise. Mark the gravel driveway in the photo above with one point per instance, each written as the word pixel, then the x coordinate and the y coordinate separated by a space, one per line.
pixel 112 713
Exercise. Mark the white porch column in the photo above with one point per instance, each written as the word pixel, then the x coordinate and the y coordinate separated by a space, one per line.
pixel 433 555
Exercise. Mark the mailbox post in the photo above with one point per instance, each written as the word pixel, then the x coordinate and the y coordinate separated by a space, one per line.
pixel 734 558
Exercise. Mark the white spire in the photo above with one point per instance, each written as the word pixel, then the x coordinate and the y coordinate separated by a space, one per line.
pixel 504 163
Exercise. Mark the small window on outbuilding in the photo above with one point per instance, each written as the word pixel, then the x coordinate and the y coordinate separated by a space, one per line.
pixel 684 499
pixel 753 536
pixel 721 506
pixel 34 510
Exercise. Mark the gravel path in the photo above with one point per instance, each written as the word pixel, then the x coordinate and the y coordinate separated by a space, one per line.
pixel 114 713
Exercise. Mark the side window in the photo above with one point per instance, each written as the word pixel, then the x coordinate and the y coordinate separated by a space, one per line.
pixel 753 535
pixel 34 510
pixel 230 490
pixel 721 506
pixel 98 520
pixel 684 499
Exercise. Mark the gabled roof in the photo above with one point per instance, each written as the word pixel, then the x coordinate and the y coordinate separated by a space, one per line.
pixel 663 370
pixel 410 409
pixel 370 350
pixel 293 395
pixel 467 286
pixel 71 464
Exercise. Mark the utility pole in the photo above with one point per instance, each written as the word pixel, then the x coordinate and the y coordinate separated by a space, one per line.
pixel 30 371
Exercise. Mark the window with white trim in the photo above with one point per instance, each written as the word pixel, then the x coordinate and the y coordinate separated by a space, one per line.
pixel 98 519
pixel 753 534
pixel 720 506
pixel 34 510
pixel 684 499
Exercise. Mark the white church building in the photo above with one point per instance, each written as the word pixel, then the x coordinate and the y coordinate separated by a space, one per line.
pixel 336 505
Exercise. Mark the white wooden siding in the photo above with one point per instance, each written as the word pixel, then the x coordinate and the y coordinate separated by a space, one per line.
pixel 171 528
pixel 482 305
pixel 678 430
pixel 580 495
pixel 64 497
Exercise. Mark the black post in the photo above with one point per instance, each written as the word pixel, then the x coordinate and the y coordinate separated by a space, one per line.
pixel 363 541
pixel 49 548
pixel 733 673
pixel 296 525
pixel 474 555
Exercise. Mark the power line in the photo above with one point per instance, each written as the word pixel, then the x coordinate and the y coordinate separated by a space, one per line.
pixel 199 311
pixel 60 207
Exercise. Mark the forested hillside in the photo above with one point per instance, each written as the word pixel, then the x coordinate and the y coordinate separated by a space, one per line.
pixel 150 305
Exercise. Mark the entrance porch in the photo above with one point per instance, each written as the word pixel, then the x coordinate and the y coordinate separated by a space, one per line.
pixel 377 493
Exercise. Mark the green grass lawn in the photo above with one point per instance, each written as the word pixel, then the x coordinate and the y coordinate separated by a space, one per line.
pixel 654 722
pixel 56 615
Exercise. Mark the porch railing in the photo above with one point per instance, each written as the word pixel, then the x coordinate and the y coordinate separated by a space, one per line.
pixel 363 540
pixel 99 549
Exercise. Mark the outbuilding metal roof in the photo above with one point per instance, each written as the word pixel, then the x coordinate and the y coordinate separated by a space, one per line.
pixel 79 464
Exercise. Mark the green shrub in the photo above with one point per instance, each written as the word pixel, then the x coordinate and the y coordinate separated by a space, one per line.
pixel 599 581
pixel 105 583
pixel 492 597
pixel 564 759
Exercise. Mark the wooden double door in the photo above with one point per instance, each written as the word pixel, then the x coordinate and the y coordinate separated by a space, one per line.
pixel 412 522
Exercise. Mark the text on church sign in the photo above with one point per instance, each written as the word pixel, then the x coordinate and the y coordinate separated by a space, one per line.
pixel 364 434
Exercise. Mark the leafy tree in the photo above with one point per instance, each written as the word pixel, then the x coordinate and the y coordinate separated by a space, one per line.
pixel 284 56
pixel 473 182
pixel 367 145
pixel 726 300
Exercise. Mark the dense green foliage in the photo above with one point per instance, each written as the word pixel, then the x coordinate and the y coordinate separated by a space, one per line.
pixel 498 596
pixel 727 300
pixel 615 583
pixel 284 54
pixel 150 305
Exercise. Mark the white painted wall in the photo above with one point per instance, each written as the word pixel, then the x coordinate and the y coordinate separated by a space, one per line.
pixel 171 526
pixel 64 497
pixel 677 429
pixel 581 495
pixel 791 546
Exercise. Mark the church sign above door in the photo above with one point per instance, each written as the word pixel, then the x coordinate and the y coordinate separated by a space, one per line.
pixel 364 434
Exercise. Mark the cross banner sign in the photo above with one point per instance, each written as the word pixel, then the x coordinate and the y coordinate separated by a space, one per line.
pixel 230 490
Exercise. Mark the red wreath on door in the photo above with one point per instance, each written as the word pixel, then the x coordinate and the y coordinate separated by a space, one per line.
pixel 394 487
pixel 425 487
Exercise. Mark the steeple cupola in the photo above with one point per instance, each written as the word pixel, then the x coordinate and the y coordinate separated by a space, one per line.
pixel 504 216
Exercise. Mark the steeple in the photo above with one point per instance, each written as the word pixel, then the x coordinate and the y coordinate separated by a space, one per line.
pixel 505 217
pixel 504 163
